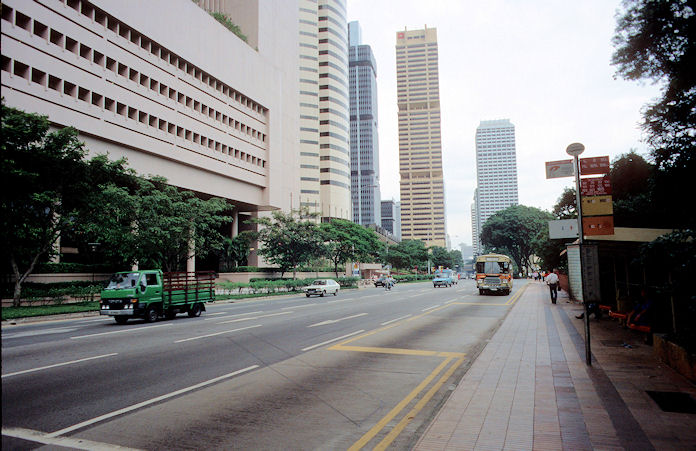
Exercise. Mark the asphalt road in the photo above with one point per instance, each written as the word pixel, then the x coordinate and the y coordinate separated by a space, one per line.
pixel 367 368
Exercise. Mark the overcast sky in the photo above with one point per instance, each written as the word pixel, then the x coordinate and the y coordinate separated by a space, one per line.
pixel 545 65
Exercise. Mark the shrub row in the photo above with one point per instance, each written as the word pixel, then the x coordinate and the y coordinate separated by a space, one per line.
pixel 57 290
pixel 278 285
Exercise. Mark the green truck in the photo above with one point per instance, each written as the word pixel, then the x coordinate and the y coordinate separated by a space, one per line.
pixel 151 294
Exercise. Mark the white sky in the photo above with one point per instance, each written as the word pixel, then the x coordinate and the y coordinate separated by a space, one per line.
pixel 543 64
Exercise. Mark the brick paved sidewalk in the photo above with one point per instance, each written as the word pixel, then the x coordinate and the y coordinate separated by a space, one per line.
pixel 530 388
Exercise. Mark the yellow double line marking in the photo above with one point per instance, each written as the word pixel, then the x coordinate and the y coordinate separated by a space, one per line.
pixel 452 359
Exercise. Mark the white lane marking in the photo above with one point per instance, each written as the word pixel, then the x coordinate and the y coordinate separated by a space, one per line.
pixel 334 321
pixel 430 308
pixel 32 333
pixel 218 313
pixel 58 364
pixel 217 333
pixel 232 316
pixel 340 300
pixel 332 340
pixel 449 302
pixel 120 331
pixel 299 306
pixel 63 442
pixel 395 320
pixel 254 317
pixel 148 402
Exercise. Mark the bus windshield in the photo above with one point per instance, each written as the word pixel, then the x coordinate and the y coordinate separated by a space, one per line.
pixel 492 267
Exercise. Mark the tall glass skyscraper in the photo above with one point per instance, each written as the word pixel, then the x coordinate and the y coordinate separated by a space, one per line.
pixel 364 145
pixel 496 173
pixel 420 143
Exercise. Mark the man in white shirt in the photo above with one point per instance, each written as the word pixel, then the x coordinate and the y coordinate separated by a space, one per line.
pixel 552 282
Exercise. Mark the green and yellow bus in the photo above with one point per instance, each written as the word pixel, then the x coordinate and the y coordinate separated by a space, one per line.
pixel 493 273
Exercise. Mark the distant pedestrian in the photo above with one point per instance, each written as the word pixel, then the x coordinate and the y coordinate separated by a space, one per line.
pixel 552 282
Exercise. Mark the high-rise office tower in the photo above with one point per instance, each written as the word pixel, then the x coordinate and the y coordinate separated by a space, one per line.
pixel 391 217
pixel 420 144
pixel 364 145
pixel 496 171
pixel 309 106
pixel 324 104
pixel 474 225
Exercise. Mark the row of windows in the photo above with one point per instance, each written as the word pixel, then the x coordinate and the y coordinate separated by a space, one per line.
pixel 100 59
pixel 65 87
pixel 106 20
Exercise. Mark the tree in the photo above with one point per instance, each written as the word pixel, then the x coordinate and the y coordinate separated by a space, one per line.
pixel 456 258
pixel 346 241
pixel 632 183
pixel 170 223
pixel 407 254
pixel 149 222
pixel 440 257
pixel 565 207
pixel 235 250
pixel 289 241
pixel 515 231
pixel 656 40
pixel 44 174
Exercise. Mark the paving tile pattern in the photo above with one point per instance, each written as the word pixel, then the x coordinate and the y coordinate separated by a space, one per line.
pixel 530 389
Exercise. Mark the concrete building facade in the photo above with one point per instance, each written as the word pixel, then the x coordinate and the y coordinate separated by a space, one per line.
pixel 420 144
pixel 364 143
pixel 180 97
pixel 496 171
pixel 324 109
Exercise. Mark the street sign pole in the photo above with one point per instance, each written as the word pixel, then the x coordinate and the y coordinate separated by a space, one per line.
pixel 575 150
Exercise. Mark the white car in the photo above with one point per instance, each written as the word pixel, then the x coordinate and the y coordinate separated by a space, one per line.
pixel 322 287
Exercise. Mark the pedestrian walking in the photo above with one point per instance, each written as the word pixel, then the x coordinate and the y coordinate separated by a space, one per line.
pixel 552 282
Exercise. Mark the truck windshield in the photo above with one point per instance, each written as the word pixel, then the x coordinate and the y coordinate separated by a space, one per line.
pixel 492 267
pixel 119 281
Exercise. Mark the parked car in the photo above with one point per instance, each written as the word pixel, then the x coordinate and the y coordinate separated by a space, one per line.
pixel 322 287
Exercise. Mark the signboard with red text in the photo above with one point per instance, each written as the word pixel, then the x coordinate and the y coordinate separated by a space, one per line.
pixel 595 186
pixel 594 165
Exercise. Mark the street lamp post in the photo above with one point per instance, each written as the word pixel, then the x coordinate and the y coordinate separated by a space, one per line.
pixel 575 150
pixel 93 251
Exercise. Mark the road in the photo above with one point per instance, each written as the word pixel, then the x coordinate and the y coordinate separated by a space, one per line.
pixel 367 368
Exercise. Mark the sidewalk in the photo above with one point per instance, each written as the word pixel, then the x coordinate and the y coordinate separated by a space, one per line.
pixel 530 388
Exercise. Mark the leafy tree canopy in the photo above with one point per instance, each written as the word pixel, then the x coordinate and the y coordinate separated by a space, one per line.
pixel 407 254
pixel 565 207
pixel 347 241
pixel 516 231
pixel 43 174
pixel 656 40
pixel 288 241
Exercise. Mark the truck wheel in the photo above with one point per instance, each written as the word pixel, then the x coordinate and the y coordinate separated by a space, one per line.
pixel 151 315
pixel 481 291
pixel 307 295
pixel 121 319
pixel 195 310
